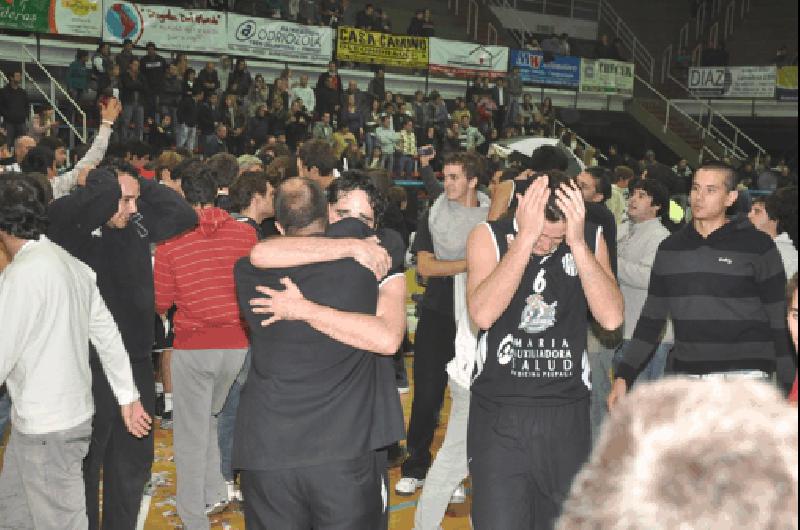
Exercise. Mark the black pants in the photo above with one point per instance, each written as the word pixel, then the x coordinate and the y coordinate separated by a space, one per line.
pixel 345 495
pixel 13 131
pixel 522 461
pixel 125 459
pixel 434 347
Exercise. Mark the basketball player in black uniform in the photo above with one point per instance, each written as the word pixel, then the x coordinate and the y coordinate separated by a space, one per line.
pixel 533 279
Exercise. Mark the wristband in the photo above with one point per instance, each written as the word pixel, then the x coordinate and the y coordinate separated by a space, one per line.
pixel 108 122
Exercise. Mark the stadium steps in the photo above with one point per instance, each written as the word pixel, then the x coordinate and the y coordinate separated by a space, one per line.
pixel 681 136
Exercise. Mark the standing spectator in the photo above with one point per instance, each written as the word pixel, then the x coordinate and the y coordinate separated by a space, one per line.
pixel 385 24
pixel 469 137
pixel 171 93
pixel 684 173
pixel 333 74
pixel 44 123
pixel 323 129
pixel 308 13
pixel 366 18
pixel 408 149
pixel 235 120
pixel 781 56
pixel 377 86
pixel 195 272
pixel 258 96
pixel 387 140
pixel 208 116
pixel 500 97
pixel 563 45
pixel 240 80
pixel 341 139
pixel 297 129
pixel 552 45
pixel 14 106
pixel 428 27
pixel 101 66
pixel 258 127
pixel 774 216
pixel 331 12
pixel 208 78
pixel 224 70
pixel 154 69
pixel 189 81
pixel 306 93
pixel 546 115
pixel 182 63
pixel 736 270
pixel 52 308
pixel 638 240
pixel 129 215
pixel 133 97
pixel 441 118
pixel 328 98
pixel 604 49
pixel 187 116
pixel 371 123
pixel 353 117
pixel 515 91
pixel 78 75
pixel 125 56
pixel 415 27
pixel 278 117
pixel 747 176
pixel 352 90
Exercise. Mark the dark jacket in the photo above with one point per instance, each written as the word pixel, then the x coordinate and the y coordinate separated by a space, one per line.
pixel 258 129
pixel 239 82
pixel 154 69
pixel 14 104
pixel 415 28
pixel 207 118
pixel 204 77
pixel 213 145
pixel 120 257
pixel 133 90
pixel 187 111
pixel 171 91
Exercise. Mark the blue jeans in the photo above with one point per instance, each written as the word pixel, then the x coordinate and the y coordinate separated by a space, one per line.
pixel 655 368
pixel 5 410
pixel 226 421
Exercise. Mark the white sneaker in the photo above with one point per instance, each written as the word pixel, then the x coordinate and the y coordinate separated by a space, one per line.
pixel 403 389
pixel 234 493
pixel 408 486
pixel 459 496
pixel 216 508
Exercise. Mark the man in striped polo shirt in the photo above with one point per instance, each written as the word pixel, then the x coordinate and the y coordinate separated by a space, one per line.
pixel 722 282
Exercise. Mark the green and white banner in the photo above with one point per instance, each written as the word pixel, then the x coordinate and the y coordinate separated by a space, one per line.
pixel 603 76
pixel 62 17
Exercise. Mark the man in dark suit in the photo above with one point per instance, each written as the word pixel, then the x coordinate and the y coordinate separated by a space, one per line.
pixel 216 143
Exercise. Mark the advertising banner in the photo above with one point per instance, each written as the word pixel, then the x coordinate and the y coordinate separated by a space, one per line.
pixel 374 47
pixel 279 40
pixel 464 59
pixel 561 71
pixel 63 17
pixel 171 28
pixel 733 81
pixel 605 76
pixel 787 83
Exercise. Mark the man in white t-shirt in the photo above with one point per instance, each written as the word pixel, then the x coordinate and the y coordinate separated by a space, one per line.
pixel 51 309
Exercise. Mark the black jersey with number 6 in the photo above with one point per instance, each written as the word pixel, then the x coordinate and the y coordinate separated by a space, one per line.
pixel 535 353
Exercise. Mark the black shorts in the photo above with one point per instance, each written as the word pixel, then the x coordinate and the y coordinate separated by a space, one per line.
pixel 522 461
pixel 345 495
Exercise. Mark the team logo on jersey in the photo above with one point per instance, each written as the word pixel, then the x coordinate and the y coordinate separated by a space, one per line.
pixel 505 351
pixel 568 262
pixel 538 315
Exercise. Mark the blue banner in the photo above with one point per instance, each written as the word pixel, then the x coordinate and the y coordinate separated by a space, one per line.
pixel 561 71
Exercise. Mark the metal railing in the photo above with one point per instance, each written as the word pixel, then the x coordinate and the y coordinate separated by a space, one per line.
pixel 50 96
pixel 733 138
pixel 558 130
pixel 671 109
pixel 640 56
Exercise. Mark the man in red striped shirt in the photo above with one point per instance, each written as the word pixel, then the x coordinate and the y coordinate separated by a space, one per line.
pixel 195 272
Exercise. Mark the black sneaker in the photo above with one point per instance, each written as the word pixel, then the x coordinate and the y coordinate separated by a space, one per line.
pixel 166 420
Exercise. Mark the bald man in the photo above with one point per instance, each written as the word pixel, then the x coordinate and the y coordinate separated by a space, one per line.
pixel 22 145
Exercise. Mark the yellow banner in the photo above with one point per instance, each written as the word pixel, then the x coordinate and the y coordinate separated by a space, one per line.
pixel 373 47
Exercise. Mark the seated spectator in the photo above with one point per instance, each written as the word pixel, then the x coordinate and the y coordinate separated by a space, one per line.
pixel 385 22
pixel 353 117
pixel 323 129
pixel 258 127
pixel 341 138
pixel 297 129
pixel 278 117
pixel 331 11
pixel 234 119
pixel 408 149
pixel 328 99
pixel 308 12
pixel 306 93
pixel 258 95
pixel 216 143
pixel 691 454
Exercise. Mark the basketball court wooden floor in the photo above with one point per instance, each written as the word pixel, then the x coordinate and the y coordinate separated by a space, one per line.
pixel 162 516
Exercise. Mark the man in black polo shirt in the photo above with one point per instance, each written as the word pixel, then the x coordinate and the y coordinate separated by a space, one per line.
pixel 722 281
pixel 318 403
pixel 532 281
